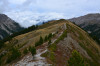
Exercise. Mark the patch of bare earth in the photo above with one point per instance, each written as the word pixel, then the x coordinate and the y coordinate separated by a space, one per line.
pixel 37 60
pixel 65 48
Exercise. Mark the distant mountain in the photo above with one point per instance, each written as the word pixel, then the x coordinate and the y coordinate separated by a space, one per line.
pixel 90 23
pixel 27 18
pixel 8 26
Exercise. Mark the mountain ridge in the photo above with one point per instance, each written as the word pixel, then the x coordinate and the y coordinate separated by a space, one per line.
pixel 90 23
pixel 65 38
pixel 8 26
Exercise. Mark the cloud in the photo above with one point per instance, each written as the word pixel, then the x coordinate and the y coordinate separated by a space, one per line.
pixel 28 18
pixel 3 5
pixel 27 8
pixel 62 6
pixel 51 5
pixel 17 2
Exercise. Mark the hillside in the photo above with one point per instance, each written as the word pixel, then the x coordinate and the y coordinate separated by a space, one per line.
pixel 63 38
pixel 8 26
pixel 90 23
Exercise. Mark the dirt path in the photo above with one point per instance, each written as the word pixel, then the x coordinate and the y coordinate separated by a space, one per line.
pixel 28 60
pixel 37 61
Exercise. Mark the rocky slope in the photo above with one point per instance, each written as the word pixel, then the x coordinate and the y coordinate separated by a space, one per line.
pixel 67 37
pixel 90 23
pixel 8 26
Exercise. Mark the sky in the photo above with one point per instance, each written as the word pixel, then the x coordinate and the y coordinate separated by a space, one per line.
pixel 29 12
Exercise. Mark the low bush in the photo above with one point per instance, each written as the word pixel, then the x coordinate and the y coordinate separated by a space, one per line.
pixel 76 60
pixel 15 53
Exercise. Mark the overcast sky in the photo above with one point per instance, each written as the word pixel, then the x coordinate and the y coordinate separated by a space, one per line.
pixel 25 10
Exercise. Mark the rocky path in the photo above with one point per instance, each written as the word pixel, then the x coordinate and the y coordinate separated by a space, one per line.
pixel 28 60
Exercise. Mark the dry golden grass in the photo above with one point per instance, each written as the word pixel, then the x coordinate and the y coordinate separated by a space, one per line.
pixel 33 36
pixel 86 42
pixel 29 39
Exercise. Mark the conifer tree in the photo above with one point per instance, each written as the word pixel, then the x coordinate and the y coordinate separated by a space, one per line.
pixel 50 36
pixel 46 38
pixel 49 42
pixel 76 59
pixel 33 50
pixel 41 40
pixel 25 51
pixel 15 53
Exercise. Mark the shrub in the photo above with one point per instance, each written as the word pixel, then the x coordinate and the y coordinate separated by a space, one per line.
pixel 40 42
pixel 1 59
pixel 76 59
pixel 1 44
pixel 46 38
pixel 49 42
pixel 50 36
pixel 33 50
pixel 15 53
pixel 25 51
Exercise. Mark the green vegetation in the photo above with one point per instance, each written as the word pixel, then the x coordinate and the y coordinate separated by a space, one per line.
pixel 49 55
pixel 50 36
pixel 25 51
pixel 46 38
pixel 93 35
pixel 1 59
pixel 93 56
pixel 15 53
pixel 21 45
pixel 32 50
pixel 76 60
pixel 40 42
pixel 85 43
pixel 61 37
pixel 1 44
pixel 49 42
pixel 26 30
pixel 95 38
pixel 52 56
pixel 52 47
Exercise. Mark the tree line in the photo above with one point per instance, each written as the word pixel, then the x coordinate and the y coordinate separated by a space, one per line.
pixel 41 40
pixel 94 37
pixel 26 30
pixel 15 53
pixel 34 27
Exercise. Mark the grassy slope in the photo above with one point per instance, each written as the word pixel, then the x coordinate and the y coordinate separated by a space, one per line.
pixel 84 40
pixel 85 45
pixel 29 39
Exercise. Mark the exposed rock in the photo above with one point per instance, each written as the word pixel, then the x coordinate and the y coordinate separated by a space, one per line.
pixel 89 22
pixel 8 26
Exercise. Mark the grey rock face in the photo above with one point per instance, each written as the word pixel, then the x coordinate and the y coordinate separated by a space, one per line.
pixel 89 22
pixel 89 18
pixel 8 26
